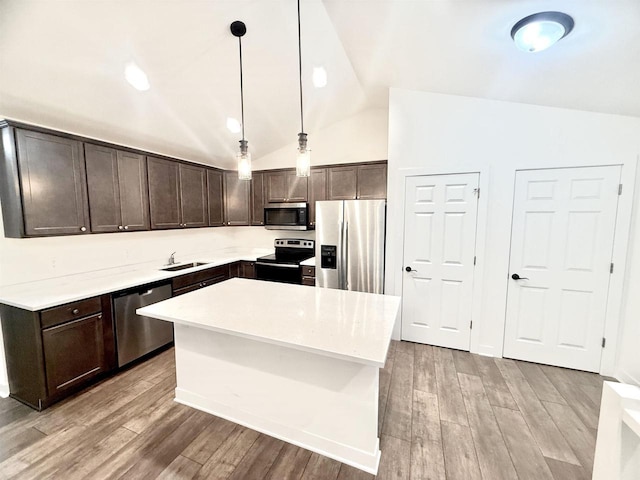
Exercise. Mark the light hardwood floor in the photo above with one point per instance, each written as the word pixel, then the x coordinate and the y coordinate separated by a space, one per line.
pixel 443 414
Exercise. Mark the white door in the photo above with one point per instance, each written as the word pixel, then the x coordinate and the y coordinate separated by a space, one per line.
pixel 561 246
pixel 439 249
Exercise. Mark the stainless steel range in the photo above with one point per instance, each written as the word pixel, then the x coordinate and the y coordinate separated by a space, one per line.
pixel 284 265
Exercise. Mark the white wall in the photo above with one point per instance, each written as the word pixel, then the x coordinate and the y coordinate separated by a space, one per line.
pixel 433 133
pixel 360 138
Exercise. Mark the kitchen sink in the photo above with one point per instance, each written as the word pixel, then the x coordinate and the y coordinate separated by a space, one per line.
pixel 183 266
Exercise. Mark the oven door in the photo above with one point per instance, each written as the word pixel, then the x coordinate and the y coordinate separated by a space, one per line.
pixel 274 272
pixel 286 216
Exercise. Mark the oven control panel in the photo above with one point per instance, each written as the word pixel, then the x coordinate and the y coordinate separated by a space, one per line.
pixel 294 243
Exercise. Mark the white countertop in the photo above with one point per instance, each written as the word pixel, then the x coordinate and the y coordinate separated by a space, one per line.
pixel 310 262
pixel 58 291
pixel 342 324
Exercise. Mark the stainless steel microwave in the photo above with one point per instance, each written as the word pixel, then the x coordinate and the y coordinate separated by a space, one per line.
pixel 286 216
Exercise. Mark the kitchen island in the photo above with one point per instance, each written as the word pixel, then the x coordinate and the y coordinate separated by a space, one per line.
pixel 294 362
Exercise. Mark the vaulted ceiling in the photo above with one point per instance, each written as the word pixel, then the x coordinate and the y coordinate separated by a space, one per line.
pixel 62 62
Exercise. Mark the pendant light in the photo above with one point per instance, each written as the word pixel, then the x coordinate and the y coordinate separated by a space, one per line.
pixel 303 160
pixel 238 29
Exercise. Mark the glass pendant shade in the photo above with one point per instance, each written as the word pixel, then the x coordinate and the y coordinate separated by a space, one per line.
pixel 244 165
pixel 303 163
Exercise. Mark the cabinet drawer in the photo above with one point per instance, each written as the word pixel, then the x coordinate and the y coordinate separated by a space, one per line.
pixel 218 273
pixel 309 281
pixel 308 271
pixel 57 315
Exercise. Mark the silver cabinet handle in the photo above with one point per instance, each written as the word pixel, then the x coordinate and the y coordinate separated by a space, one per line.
pixel 120 227
pixel 126 227
pixel 83 229
pixel 75 311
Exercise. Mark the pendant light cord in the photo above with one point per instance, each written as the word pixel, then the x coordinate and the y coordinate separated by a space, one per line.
pixel 300 65
pixel 241 88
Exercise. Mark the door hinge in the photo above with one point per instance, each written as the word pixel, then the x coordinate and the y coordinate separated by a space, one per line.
pixel 471 325
pixel 604 342
pixel 476 192
pixel 474 260
pixel 620 189
pixel 611 268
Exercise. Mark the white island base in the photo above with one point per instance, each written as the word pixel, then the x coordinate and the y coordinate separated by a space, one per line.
pixel 297 363
pixel 326 405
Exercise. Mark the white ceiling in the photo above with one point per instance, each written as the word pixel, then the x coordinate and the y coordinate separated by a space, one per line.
pixel 62 61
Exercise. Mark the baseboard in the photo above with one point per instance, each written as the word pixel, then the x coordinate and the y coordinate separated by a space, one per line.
pixel 625 377
pixel 4 390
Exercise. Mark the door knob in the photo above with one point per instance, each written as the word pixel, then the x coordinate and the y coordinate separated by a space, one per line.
pixel 409 269
pixel 515 276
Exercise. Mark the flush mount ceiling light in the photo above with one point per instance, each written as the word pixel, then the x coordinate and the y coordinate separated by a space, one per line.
pixel 136 77
pixel 233 125
pixel 539 31
pixel 303 160
pixel 319 77
pixel 238 29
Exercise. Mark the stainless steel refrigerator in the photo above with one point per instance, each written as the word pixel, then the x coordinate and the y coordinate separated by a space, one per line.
pixel 350 245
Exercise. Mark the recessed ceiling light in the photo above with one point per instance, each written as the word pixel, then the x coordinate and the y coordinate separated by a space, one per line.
pixel 233 125
pixel 539 31
pixel 319 77
pixel 136 77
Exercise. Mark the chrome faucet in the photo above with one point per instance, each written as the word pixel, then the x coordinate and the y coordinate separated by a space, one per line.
pixel 172 259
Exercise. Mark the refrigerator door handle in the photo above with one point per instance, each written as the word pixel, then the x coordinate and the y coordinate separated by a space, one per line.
pixel 345 254
pixel 340 257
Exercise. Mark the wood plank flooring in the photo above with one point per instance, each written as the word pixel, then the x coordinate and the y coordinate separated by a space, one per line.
pixel 444 414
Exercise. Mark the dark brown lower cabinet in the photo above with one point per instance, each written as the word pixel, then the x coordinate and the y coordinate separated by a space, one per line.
pixel 202 278
pixel 309 276
pixel 73 352
pixel 247 269
pixel 52 353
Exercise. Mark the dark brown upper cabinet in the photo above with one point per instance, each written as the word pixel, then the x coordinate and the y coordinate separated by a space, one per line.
pixel 317 191
pixel 215 187
pixel 257 199
pixel 237 199
pixel 285 186
pixel 343 183
pixel 117 188
pixel 372 181
pixel 177 194
pixel 44 190
pixel 164 193
pixel 357 181
pixel 193 196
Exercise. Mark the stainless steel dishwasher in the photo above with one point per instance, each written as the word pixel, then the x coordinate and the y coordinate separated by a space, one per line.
pixel 137 335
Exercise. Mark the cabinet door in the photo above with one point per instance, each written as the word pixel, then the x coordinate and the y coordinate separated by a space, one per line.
pixel 164 193
pixel 215 197
pixel 53 183
pixel 73 352
pixel 193 196
pixel 248 269
pixel 372 181
pixel 276 187
pixel 237 199
pixel 317 191
pixel 297 187
pixel 102 188
pixel 134 191
pixel 343 182
pixel 257 199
